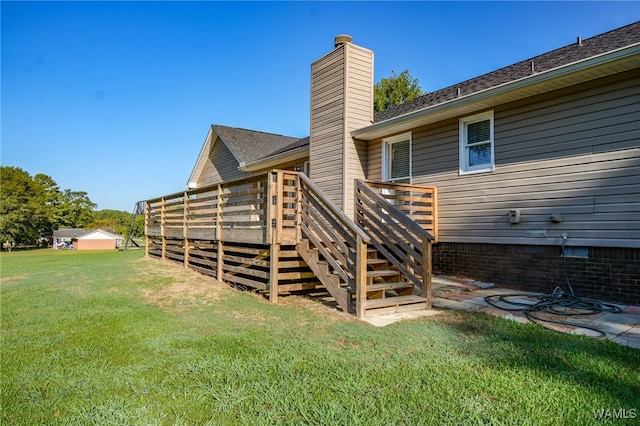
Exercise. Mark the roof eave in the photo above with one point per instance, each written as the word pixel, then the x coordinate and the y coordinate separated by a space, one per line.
pixel 489 97
pixel 275 160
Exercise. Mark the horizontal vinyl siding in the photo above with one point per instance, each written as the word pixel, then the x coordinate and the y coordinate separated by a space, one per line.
pixel 221 166
pixel 374 160
pixel 571 124
pixel 572 152
pixel 325 146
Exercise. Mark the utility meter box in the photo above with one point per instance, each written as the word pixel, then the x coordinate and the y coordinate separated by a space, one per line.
pixel 514 216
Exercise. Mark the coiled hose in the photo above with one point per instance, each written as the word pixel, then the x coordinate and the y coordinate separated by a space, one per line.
pixel 557 303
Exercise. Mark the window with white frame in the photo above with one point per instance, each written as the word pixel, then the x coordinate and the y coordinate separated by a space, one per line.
pixel 396 159
pixel 476 143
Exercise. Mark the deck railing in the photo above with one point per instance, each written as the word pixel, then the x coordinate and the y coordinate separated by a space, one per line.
pixel 337 238
pixel 260 209
pixel 236 230
pixel 418 202
pixel 403 241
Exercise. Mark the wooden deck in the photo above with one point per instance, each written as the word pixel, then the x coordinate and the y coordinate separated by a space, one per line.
pixel 276 232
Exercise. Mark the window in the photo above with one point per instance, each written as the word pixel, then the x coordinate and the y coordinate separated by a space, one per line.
pixel 396 159
pixel 476 143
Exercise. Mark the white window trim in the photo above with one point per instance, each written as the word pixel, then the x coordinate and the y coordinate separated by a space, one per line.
pixel 386 142
pixel 463 152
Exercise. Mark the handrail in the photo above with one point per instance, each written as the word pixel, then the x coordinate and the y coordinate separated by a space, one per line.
pixel 396 236
pixel 346 220
pixel 336 237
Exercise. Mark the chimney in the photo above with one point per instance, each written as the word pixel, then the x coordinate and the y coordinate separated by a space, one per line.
pixel 342 39
pixel 341 101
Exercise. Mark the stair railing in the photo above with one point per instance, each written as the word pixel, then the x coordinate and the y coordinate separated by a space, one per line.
pixel 399 238
pixel 337 238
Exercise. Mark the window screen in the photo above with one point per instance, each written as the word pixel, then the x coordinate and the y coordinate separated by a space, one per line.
pixel 399 164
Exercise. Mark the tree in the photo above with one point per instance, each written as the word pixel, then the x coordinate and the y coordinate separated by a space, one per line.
pixel 76 209
pixel 49 198
pixel 395 90
pixel 22 214
pixel 30 206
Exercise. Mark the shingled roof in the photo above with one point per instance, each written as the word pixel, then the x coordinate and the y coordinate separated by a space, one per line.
pixel 582 49
pixel 68 232
pixel 250 145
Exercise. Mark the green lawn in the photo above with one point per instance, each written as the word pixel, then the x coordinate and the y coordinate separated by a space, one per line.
pixel 114 338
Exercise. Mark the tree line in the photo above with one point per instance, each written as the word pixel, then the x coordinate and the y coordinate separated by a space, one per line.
pixel 34 206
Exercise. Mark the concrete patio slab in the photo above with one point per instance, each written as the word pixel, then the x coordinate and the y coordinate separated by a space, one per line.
pixel 469 295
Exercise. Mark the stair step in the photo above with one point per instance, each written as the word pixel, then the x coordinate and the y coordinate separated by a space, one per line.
pixel 376 261
pixel 382 273
pixel 388 286
pixel 395 301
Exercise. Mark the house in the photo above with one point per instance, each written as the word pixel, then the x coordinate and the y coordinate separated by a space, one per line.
pixel 63 238
pixel 97 239
pixel 528 176
pixel 81 239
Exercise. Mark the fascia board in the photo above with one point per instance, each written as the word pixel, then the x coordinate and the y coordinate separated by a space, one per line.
pixel 269 162
pixel 403 122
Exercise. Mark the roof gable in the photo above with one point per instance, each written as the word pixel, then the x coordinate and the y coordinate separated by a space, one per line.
pixel 98 234
pixel 250 145
pixel 247 146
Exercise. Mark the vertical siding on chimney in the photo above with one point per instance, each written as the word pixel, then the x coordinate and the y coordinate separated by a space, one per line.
pixel 341 101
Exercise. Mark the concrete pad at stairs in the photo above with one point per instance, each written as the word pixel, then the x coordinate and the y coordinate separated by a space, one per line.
pixel 454 304
pixel 382 320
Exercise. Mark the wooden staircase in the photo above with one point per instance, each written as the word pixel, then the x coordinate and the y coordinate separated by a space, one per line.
pixel 379 263
pixel 386 291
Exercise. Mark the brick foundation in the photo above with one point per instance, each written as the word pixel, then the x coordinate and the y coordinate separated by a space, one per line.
pixel 609 274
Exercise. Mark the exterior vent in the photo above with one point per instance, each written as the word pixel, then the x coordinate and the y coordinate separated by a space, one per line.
pixel 342 39
pixel 581 252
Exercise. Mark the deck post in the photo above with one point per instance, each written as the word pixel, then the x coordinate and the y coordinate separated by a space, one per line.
pixel 220 251
pixel 434 207
pixel 361 277
pixel 274 255
pixel 185 231
pixel 426 270
pixel 162 228
pixel 274 207
pixel 298 208
pixel 279 213
pixel 147 215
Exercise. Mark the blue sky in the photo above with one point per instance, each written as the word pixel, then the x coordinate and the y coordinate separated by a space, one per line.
pixel 116 98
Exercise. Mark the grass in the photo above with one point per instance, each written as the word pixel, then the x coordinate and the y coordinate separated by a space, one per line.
pixel 114 338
